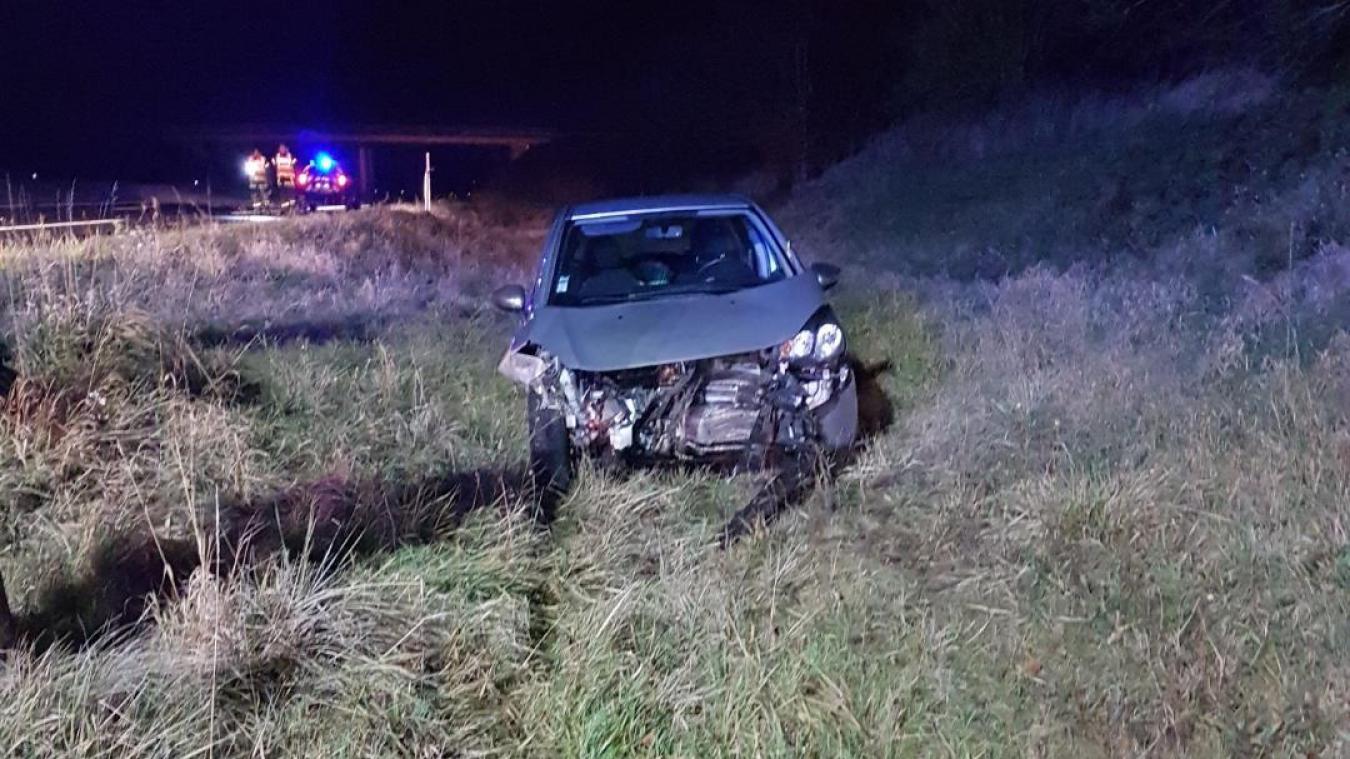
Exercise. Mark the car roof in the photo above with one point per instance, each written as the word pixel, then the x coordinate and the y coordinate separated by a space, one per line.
pixel 657 204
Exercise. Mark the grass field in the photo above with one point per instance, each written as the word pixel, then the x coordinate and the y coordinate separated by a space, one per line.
pixel 1108 519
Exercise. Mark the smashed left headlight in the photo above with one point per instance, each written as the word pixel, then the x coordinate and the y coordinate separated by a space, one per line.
pixel 823 342
pixel 800 346
pixel 522 367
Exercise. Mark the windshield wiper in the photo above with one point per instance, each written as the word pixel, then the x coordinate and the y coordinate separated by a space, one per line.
pixel 690 289
pixel 601 300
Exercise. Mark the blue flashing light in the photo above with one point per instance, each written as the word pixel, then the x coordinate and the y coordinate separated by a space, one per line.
pixel 324 162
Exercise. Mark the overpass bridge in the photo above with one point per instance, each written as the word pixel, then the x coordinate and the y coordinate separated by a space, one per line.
pixel 516 141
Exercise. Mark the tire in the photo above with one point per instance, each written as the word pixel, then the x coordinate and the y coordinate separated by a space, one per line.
pixel 551 464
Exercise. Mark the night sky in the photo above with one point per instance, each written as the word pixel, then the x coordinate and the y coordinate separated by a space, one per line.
pixel 93 87
pixel 668 90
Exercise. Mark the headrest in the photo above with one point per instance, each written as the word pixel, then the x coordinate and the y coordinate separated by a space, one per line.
pixel 713 237
pixel 605 253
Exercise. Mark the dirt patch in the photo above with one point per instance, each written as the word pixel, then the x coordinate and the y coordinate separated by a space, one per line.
pixel 333 518
pixel 361 328
pixel 325 521
pixel 353 328
pixel 7 373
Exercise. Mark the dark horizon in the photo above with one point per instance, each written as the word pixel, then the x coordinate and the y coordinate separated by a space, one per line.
pixel 93 90
pixel 97 89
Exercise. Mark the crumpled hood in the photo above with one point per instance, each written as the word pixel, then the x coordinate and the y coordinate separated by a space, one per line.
pixel 677 328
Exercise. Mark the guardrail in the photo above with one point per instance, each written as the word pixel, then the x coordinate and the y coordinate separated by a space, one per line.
pixel 116 224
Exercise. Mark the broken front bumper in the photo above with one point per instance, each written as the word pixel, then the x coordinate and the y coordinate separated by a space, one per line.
pixel 711 408
pixel 837 418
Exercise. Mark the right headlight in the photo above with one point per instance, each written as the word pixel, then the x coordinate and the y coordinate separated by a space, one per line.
pixel 823 342
pixel 829 340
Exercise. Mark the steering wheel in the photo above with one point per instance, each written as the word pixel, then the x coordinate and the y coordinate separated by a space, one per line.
pixel 709 264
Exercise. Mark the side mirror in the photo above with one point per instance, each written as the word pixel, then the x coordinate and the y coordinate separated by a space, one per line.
pixel 826 274
pixel 510 298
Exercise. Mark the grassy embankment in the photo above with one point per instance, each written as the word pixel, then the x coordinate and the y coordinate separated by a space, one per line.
pixel 1109 518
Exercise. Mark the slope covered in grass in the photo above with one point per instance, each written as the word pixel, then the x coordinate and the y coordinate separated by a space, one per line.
pixel 1063 180
pixel 1108 519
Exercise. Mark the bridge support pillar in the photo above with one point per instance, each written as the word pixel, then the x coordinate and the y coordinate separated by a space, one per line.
pixel 365 168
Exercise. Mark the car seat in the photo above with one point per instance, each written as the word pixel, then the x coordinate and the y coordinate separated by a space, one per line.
pixel 606 274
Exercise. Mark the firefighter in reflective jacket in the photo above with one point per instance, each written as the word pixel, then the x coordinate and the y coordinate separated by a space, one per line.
pixel 255 168
pixel 285 168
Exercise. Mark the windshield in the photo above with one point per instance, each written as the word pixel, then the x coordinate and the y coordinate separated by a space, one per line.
pixel 629 258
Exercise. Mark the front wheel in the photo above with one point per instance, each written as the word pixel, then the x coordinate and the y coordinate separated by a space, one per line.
pixel 550 456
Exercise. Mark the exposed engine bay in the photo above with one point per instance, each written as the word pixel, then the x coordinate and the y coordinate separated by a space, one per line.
pixel 705 409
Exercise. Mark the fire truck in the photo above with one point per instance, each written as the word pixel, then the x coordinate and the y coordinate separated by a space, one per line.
pixel 324 184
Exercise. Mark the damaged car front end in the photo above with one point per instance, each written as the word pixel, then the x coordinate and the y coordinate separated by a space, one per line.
pixel 676 329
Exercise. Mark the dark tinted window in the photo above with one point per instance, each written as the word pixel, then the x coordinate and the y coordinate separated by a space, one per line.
pixel 614 260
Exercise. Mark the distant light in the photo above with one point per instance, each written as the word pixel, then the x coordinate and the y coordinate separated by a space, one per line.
pixel 35 175
pixel 195 183
pixel 324 162
pixel 342 180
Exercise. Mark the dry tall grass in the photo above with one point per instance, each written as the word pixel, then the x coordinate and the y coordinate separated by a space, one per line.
pixel 1109 520
pixel 1138 508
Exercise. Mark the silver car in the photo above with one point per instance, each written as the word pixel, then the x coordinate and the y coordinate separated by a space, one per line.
pixel 676 328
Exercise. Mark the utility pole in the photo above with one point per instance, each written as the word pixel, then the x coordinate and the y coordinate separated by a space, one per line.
pixel 365 171
pixel 426 186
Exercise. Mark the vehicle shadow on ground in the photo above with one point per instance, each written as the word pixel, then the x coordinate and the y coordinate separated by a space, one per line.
pixel 325 521
pixel 876 411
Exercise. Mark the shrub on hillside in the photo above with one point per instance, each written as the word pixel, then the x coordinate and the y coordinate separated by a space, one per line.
pixel 970 54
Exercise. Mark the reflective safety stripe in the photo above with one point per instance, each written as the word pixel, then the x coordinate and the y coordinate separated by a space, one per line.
pixel 285 168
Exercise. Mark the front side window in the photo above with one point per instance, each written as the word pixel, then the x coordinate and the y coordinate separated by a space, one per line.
pixel 631 258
